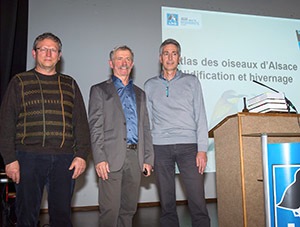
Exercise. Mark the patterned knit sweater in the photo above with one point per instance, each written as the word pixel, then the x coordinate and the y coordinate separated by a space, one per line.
pixel 44 114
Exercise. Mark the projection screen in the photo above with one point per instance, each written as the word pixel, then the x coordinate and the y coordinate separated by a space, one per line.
pixel 228 51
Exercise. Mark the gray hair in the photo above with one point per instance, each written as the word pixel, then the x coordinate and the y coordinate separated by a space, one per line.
pixel 170 41
pixel 47 35
pixel 123 47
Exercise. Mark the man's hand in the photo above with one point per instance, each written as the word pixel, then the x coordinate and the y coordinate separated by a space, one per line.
pixel 79 164
pixel 102 170
pixel 201 161
pixel 148 168
pixel 12 170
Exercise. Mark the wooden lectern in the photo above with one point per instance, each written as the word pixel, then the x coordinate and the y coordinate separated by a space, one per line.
pixel 239 173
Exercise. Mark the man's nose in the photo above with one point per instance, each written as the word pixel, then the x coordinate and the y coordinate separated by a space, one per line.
pixel 48 52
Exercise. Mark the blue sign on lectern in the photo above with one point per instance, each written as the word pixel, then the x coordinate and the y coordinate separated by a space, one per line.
pixel 282 184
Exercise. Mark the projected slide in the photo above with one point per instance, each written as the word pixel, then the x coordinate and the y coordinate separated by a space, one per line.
pixel 228 51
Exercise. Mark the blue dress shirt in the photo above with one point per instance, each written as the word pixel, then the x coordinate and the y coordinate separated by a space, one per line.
pixel 128 100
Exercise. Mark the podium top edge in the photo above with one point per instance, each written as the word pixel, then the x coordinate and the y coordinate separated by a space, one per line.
pixel 244 114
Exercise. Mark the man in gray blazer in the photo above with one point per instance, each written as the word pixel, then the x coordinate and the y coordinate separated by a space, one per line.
pixel 121 140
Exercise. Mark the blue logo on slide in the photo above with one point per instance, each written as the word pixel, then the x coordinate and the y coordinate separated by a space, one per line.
pixel 298 37
pixel 172 19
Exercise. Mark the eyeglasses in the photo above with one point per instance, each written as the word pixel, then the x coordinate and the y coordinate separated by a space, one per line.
pixel 45 50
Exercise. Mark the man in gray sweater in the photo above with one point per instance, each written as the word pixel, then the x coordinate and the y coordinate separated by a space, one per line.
pixel 180 135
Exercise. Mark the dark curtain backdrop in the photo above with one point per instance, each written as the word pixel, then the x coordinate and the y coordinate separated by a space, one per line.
pixel 13 52
pixel 13 40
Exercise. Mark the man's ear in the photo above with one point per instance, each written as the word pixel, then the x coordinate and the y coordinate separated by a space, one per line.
pixel 111 64
pixel 33 53
pixel 60 54
pixel 160 59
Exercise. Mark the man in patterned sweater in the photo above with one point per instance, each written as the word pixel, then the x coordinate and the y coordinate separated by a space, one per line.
pixel 44 136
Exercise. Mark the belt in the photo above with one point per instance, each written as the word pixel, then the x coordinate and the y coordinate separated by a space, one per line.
pixel 131 146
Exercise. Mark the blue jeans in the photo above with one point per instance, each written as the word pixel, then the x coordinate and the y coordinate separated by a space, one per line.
pixel 38 171
pixel 164 167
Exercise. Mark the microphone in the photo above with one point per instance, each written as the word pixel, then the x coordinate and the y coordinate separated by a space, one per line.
pixel 288 102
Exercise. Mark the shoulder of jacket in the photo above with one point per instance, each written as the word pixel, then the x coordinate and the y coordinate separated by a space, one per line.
pixel 137 88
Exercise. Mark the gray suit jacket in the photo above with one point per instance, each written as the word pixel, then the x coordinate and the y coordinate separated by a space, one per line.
pixel 108 126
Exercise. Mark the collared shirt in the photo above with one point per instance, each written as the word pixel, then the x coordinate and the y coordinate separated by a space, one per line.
pixel 128 100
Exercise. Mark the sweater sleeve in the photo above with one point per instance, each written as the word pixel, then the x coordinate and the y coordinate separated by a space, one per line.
pixel 200 118
pixel 81 127
pixel 8 117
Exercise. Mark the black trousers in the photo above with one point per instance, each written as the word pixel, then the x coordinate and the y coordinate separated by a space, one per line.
pixel 164 168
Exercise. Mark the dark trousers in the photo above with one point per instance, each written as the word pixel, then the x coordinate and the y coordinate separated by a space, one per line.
pixel 118 195
pixel 38 171
pixel 164 167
